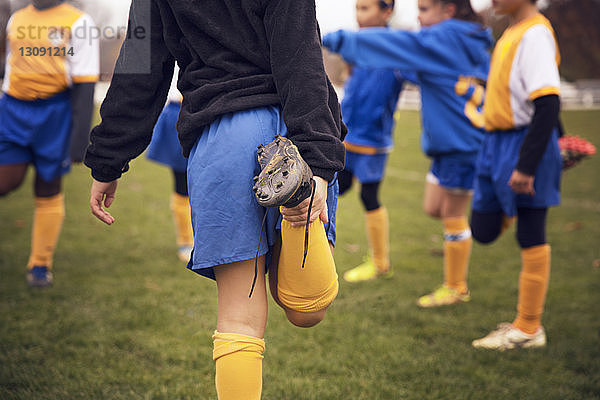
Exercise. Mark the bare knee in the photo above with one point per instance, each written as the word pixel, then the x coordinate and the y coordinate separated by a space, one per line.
pixel 305 319
pixel 11 177
pixel 8 184
pixel 433 212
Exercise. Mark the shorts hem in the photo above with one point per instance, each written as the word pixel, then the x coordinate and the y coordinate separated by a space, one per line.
pixel 206 268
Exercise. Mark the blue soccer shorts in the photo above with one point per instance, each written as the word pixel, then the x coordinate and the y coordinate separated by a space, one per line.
pixel 37 132
pixel 225 214
pixel 164 147
pixel 454 172
pixel 496 163
pixel 367 168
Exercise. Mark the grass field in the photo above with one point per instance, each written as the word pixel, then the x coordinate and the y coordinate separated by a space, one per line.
pixel 126 320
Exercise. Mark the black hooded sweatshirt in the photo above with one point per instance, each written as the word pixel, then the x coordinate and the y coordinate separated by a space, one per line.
pixel 233 55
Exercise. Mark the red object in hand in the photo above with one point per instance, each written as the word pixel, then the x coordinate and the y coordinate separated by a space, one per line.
pixel 573 149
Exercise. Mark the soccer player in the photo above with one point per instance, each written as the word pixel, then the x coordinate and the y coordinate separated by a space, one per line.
pixel 368 109
pixel 165 149
pixel 450 57
pixel 47 97
pixel 249 70
pixel 519 167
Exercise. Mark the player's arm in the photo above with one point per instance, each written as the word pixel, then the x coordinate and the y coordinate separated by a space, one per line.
pixel 545 120
pixel 310 108
pixel 386 48
pixel 133 102
pixel 537 55
pixel 82 106
pixel 84 67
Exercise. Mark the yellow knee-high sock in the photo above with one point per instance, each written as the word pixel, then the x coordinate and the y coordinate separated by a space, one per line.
pixel 180 205
pixel 533 285
pixel 457 250
pixel 47 221
pixel 238 360
pixel 377 223
pixel 313 287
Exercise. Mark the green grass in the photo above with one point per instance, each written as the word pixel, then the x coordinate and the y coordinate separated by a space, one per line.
pixel 126 320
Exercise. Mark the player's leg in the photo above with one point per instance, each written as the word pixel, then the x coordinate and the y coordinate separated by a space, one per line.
pixel 433 196
pixel 486 226
pixel 535 268
pixel 457 246
pixel 369 170
pixel 457 240
pixel 227 230
pixel 50 149
pixel 377 229
pixel 377 223
pixel 11 177
pixel 305 293
pixel 301 319
pixel 180 207
pixel 15 157
pixel 239 339
pixel 447 196
pixel 526 330
pixel 47 222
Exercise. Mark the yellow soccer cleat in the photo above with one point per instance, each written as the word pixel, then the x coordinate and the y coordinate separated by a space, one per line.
pixel 365 272
pixel 443 296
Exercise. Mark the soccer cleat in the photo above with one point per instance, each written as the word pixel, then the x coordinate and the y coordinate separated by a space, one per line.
pixel 508 337
pixel 573 149
pixel 285 178
pixel 443 296
pixel 365 272
pixel 39 276
pixel 184 253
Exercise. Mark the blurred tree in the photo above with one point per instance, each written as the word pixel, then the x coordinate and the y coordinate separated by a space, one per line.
pixel 577 27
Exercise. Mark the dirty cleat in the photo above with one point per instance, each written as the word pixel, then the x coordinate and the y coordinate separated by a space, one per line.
pixel 365 272
pixel 184 253
pixel 508 337
pixel 39 276
pixel 285 178
pixel 443 296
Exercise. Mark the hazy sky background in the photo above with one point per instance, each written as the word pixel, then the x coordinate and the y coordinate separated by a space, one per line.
pixel 332 14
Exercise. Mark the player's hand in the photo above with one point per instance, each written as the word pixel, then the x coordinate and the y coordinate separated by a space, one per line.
pixel 521 183
pixel 297 215
pixel 102 192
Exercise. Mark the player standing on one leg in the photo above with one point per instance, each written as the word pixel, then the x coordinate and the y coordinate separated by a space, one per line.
pixel 519 167
pixel 52 67
pixel 450 58
pixel 249 71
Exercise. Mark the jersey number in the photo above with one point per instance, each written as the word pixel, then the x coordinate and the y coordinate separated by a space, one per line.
pixel 463 87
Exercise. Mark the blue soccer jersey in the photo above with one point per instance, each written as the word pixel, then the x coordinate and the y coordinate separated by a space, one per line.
pixel 368 108
pixel 451 62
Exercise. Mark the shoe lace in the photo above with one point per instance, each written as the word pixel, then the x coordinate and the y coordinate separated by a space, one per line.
pixel 312 196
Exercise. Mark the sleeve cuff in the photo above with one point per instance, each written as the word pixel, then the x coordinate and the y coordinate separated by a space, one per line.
pixel 327 174
pixel 106 173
